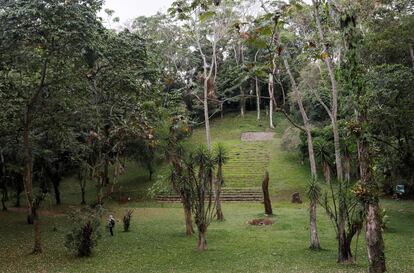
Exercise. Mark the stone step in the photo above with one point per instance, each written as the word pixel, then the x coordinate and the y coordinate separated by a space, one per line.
pixel 227 195
pixel 234 199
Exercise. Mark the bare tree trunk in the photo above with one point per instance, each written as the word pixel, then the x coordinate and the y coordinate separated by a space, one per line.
pixel 334 99
pixel 242 102
pixel 266 195
pixel 37 244
pixel 206 116
pixel 344 249
pixel 271 95
pixel 412 54
pixel 257 98
pixel 202 242
pixel 347 167
pixel 83 202
pixel 314 238
pixel 28 164
pixel 373 232
pixel 219 211
pixel 374 240
pixel 337 145
pixel 4 199
pixel 326 172
pixel 28 167
pixel 56 184
pixel 106 171
pixel 189 230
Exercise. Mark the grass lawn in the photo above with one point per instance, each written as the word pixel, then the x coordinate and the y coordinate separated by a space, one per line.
pixel 157 243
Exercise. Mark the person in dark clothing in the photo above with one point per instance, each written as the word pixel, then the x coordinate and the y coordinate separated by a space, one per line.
pixel 111 224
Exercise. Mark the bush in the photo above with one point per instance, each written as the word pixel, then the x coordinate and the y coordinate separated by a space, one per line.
pixel 127 220
pixel 85 232
pixel 290 140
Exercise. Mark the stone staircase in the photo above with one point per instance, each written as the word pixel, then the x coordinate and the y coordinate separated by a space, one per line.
pixel 227 195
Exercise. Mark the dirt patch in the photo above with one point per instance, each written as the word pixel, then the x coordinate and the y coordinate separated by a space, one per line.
pixel 260 222
pixel 257 136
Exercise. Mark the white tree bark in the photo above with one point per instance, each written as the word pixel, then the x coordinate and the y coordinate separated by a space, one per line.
pixel 271 95
pixel 334 99
pixel 314 238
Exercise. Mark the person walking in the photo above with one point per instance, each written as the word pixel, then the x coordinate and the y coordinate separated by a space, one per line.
pixel 111 224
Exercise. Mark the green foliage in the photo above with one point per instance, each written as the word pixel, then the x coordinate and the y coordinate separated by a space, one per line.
pixel 85 231
pixel 313 190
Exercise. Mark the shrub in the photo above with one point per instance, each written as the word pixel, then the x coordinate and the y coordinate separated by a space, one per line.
pixel 290 140
pixel 85 232
pixel 127 220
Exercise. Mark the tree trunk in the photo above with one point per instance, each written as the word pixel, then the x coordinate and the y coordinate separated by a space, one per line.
pixel 83 202
pixel 150 171
pixel 314 238
pixel 373 232
pixel 18 193
pixel 189 230
pixel 374 240
pixel 206 117
pixel 242 102
pixel 266 195
pixel 202 242
pixel 337 145
pixel 412 54
pixel 344 249
pixel 326 172
pixel 56 183
pixel 271 94
pixel 99 194
pixel 219 211
pixel 106 170
pixel 4 199
pixel 257 98
pixel 347 168
pixel 334 99
pixel 37 243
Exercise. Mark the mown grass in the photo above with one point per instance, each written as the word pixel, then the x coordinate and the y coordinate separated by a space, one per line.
pixel 156 242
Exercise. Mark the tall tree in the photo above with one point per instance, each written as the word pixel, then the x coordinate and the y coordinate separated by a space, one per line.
pixel 49 36
pixel 353 73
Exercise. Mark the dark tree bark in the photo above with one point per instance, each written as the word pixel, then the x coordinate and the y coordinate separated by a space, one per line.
pixel 202 242
pixel 36 223
pixel 28 159
pixel 83 202
pixel 106 172
pixel 266 195
pixel 19 190
pixel 189 229
pixel 56 183
pixel 219 211
pixel 344 250
pixel 4 198
pixel 151 172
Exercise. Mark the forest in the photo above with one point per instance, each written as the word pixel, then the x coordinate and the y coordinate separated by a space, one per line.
pixel 280 132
